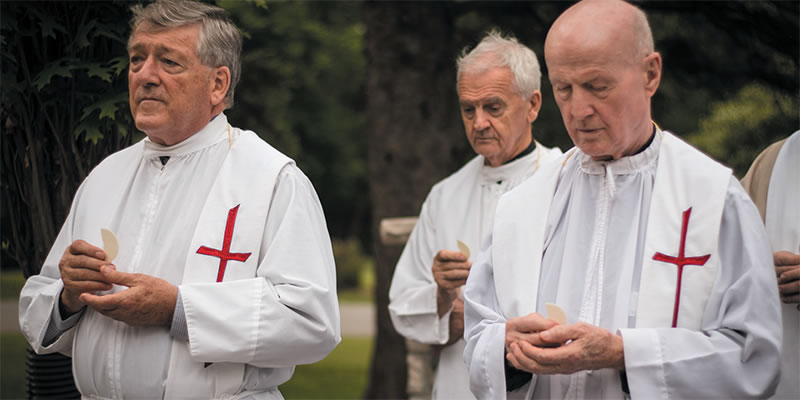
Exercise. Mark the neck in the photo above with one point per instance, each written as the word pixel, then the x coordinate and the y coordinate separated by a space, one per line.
pixel 524 147
pixel 172 140
pixel 638 150
pixel 527 150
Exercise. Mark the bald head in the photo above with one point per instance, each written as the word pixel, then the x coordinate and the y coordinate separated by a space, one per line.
pixel 604 71
pixel 607 28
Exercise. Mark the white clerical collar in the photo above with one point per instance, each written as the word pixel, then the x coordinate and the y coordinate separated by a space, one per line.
pixel 502 172
pixel 211 134
pixel 625 165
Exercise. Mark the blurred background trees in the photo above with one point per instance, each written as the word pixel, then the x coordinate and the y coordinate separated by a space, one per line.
pixel 362 95
pixel 63 108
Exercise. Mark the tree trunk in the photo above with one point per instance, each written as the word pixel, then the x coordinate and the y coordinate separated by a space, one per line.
pixel 414 139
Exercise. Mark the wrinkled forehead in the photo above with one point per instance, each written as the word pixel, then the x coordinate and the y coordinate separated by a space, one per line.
pixel 179 33
pixel 489 82
pixel 570 56
pixel 587 58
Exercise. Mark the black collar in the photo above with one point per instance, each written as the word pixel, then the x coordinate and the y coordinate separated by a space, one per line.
pixel 528 150
pixel 649 141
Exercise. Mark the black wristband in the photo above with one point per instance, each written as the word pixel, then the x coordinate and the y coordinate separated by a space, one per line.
pixel 623 380
pixel 515 378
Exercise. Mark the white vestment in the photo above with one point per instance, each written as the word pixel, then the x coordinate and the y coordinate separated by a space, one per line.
pixel 460 207
pixel 271 311
pixel 592 255
pixel 783 227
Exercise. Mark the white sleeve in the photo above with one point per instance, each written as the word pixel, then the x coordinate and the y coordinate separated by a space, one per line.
pixel 737 353
pixel 38 302
pixel 484 330
pixel 412 295
pixel 289 313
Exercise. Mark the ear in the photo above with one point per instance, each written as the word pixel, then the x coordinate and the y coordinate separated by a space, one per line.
pixel 535 104
pixel 652 68
pixel 220 82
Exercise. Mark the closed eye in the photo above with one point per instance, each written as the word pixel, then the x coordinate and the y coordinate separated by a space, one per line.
pixel 563 89
pixel 494 109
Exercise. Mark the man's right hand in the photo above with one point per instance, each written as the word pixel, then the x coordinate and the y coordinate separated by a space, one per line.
pixel 80 272
pixel 561 349
pixel 787 268
pixel 450 271
pixel 527 328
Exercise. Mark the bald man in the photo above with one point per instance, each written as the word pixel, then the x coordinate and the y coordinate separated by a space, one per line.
pixel 634 265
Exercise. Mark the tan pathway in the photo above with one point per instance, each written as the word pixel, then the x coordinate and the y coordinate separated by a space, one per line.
pixel 358 319
pixel 8 316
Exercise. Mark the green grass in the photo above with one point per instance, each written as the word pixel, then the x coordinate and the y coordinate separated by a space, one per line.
pixel 12 366
pixel 11 284
pixel 342 375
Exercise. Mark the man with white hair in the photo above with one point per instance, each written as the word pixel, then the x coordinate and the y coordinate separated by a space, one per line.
pixel 635 264
pixel 223 279
pixel 498 89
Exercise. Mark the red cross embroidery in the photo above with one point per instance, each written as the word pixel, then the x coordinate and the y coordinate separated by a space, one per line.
pixel 680 261
pixel 225 254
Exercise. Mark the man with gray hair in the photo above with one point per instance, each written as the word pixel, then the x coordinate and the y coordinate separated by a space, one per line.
pixel 220 277
pixel 635 265
pixel 498 90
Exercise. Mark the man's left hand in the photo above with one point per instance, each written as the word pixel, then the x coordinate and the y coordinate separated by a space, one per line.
pixel 590 348
pixel 148 301
pixel 787 268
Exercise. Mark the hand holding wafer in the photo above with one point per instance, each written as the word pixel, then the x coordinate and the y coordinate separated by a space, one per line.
pixel 80 273
pixel 555 313
pixel 549 346
pixel 462 247
pixel 110 244
pixel 450 271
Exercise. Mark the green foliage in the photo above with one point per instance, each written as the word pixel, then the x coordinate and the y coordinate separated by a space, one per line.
pixel 55 69
pixel 302 90
pixel 357 296
pixel 736 130
pixel 11 283
pixel 83 36
pixel 712 53
pixel 63 108
pixel 351 264
pixel 341 375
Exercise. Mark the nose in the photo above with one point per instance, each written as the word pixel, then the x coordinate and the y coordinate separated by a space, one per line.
pixel 581 105
pixel 481 120
pixel 147 74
